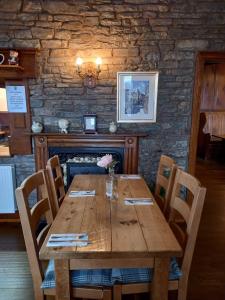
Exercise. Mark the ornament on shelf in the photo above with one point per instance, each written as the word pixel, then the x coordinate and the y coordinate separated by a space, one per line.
pixel 112 127
pixel 13 57
pixel 63 125
pixel 36 127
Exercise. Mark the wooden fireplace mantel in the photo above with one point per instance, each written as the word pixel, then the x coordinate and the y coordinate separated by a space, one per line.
pixel 128 141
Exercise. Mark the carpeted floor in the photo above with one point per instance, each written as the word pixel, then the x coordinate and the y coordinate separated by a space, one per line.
pixel 15 277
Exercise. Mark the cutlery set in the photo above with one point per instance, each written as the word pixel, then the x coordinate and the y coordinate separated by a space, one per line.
pixel 138 201
pixel 70 239
pixel 130 176
pixel 81 193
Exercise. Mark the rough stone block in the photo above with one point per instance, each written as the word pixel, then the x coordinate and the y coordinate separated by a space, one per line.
pixel 63 34
pixel 10 6
pixel 51 44
pixel 125 52
pixel 34 43
pixel 73 26
pixel 110 22
pixel 192 44
pixel 91 21
pixel 45 18
pixel 42 33
pixel 48 25
pixel 60 53
pixel 31 6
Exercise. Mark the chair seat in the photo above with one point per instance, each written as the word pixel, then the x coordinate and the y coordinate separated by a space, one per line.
pixel 141 275
pixel 90 277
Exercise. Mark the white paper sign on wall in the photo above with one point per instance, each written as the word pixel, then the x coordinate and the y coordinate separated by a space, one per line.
pixel 16 98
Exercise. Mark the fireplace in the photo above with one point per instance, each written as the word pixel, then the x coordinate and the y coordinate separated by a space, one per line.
pixel 79 152
pixel 83 160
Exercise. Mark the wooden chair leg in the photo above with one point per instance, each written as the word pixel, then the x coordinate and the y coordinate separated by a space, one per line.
pixel 107 295
pixel 38 293
pixel 117 292
pixel 182 289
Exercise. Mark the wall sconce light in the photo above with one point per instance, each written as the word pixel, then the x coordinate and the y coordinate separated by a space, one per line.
pixel 89 71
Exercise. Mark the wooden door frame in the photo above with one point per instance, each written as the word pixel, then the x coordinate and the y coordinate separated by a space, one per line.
pixel 201 60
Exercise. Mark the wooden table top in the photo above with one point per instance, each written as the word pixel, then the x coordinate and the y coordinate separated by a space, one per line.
pixel 115 230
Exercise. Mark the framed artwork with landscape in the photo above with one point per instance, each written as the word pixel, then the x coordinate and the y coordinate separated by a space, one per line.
pixel 137 97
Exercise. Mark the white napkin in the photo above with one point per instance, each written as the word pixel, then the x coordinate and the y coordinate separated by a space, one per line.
pixel 81 193
pixel 130 176
pixel 68 240
pixel 138 201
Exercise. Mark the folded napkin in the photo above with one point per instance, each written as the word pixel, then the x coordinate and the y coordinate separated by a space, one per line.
pixel 68 240
pixel 130 176
pixel 81 193
pixel 138 201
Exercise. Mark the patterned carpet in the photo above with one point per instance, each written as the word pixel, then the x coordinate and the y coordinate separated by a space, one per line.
pixel 15 277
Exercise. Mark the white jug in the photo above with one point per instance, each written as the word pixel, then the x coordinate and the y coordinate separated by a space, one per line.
pixel 36 127
pixel 112 127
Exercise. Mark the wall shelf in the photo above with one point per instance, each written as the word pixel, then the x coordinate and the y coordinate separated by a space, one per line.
pixel 25 69
pixel 12 67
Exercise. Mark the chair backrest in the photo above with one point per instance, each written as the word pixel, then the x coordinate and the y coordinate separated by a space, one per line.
pixel 56 182
pixel 164 182
pixel 31 218
pixel 187 200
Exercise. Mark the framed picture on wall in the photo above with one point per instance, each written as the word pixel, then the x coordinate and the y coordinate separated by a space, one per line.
pixel 137 97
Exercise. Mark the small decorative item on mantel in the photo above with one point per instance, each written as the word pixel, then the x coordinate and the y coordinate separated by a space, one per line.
pixel 13 58
pixel 112 127
pixel 63 125
pixel 90 123
pixel 36 127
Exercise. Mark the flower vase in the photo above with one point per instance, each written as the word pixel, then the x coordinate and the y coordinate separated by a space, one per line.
pixel 114 181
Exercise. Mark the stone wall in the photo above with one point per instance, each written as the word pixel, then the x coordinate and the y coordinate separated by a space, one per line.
pixel 129 35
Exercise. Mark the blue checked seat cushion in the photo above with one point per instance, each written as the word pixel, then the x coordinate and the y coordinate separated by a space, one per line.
pixel 95 277
pixel 107 277
pixel 141 275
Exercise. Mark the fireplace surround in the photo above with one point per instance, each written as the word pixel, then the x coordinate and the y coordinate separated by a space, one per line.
pixel 75 146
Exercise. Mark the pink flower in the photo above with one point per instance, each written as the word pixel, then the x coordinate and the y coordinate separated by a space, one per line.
pixel 105 161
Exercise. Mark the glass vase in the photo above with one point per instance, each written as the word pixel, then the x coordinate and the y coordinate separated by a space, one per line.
pixel 112 184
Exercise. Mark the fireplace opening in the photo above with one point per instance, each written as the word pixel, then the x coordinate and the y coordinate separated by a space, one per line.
pixel 83 160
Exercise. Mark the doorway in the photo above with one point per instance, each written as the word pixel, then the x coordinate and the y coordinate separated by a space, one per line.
pixel 207 272
pixel 209 94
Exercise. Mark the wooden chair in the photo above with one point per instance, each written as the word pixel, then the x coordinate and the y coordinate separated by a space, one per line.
pixel 164 182
pixel 30 220
pixel 56 182
pixel 190 210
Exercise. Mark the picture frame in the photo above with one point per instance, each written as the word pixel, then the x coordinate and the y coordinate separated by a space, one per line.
pixel 90 123
pixel 137 97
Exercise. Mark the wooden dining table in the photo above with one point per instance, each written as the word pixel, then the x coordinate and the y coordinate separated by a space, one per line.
pixel 120 235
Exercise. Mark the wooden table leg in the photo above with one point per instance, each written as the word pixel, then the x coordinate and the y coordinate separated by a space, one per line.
pixel 160 279
pixel 62 278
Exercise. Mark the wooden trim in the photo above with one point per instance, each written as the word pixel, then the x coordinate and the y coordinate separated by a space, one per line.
pixel 112 263
pixel 8 218
pixel 20 123
pixel 201 59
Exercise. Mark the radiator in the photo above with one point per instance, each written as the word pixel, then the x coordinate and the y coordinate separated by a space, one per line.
pixel 7 188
